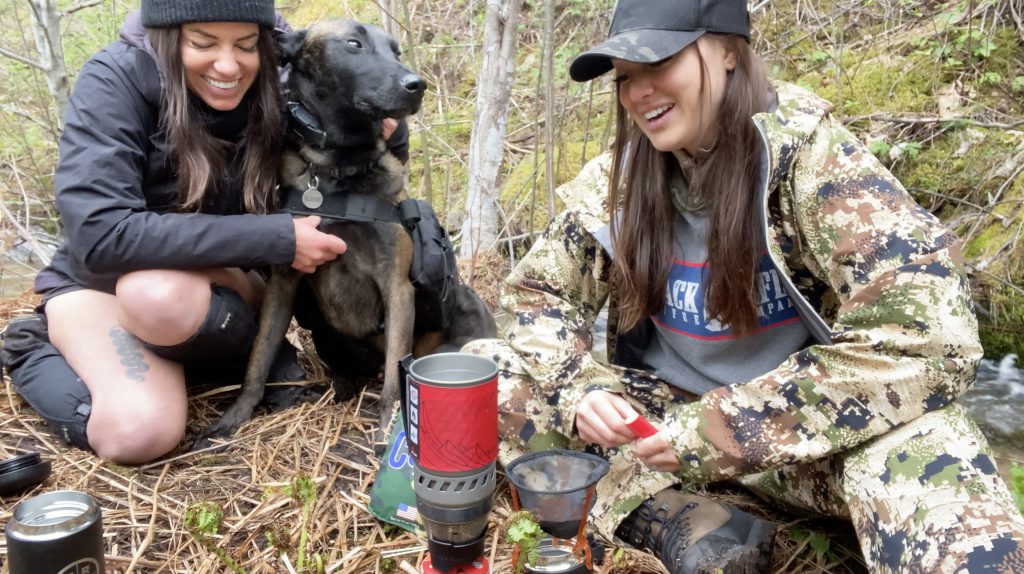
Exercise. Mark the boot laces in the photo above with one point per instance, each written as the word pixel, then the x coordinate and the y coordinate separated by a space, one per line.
pixel 673 528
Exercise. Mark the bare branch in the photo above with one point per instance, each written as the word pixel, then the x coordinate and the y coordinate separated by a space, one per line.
pixel 18 58
pixel 931 120
pixel 1006 283
pixel 25 234
pixel 15 110
pixel 82 6
pixel 957 200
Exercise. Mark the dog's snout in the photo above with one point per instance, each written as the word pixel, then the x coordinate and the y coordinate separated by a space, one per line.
pixel 414 83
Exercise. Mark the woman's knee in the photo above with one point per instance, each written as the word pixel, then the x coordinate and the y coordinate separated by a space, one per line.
pixel 135 435
pixel 931 484
pixel 162 307
pixel 526 415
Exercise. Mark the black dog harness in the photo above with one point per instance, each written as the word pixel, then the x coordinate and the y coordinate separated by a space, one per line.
pixel 359 207
pixel 433 271
pixel 350 207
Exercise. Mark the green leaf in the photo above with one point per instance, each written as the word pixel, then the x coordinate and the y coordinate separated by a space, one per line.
pixel 879 148
pixel 945 19
pixel 302 488
pixel 1017 485
pixel 913 149
pixel 991 78
pixel 1018 84
pixel 820 56
pixel 820 543
pixel 203 518
pixel 523 530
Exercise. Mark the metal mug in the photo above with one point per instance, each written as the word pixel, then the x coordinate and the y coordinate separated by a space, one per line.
pixel 58 532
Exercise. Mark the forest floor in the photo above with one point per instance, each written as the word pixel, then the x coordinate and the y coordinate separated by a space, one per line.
pixel 302 473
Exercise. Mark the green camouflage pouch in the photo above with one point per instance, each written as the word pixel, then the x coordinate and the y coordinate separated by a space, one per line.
pixel 392 498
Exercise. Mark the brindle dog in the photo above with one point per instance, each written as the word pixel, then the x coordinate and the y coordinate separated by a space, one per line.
pixel 345 78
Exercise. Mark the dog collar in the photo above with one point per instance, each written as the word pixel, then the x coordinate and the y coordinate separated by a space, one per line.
pixel 305 125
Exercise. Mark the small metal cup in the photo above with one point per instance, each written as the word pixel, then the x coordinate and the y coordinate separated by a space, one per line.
pixel 57 532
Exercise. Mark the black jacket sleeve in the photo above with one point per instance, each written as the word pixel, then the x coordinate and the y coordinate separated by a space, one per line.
pixel 100 195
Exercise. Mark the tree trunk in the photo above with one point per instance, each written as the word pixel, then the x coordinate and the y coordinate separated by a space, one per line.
pixel 549 103
pixel 426 183
pixel 487 143
pixel 46 29
pixel 389 14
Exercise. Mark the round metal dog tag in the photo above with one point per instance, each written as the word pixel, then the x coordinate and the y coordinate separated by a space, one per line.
pixel 312 198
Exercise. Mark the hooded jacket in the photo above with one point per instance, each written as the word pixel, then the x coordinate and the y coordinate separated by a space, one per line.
pixel 877 280
pixel 116 191
pixel 116 187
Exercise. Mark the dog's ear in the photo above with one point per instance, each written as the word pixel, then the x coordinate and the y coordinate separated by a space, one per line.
pixel 289 44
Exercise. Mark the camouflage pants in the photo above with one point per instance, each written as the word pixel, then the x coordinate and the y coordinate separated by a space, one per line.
pixel 925 497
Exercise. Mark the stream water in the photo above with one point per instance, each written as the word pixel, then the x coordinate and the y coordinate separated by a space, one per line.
pixel 19 264
pixel 996 401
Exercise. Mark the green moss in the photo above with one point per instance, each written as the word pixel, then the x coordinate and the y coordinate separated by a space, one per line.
pixel 983 243
pixel 874 85
pixel 303 13
pixel 1005 334
pixel 521 179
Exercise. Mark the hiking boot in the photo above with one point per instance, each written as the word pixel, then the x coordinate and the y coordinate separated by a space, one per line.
pixel 695 535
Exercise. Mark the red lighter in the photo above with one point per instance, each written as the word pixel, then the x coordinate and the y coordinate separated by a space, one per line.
pixel 640 426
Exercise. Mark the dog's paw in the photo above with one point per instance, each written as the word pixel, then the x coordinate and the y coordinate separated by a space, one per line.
pixel 204 440
pixel 203 443
pixel 279 398
pixel 345 388
pixel 380 446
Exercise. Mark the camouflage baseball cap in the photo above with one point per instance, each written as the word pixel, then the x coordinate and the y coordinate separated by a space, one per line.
pixel 650 30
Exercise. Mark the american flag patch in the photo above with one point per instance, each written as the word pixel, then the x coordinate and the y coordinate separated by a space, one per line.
pixel 407 512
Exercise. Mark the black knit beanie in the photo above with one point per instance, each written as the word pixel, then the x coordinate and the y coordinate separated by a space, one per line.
pixel 156 13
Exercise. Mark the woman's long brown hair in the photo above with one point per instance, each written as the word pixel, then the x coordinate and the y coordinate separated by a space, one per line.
pixel 200 157
pixel 723 180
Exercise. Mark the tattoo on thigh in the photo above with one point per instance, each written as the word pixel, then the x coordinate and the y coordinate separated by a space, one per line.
pixel 130 351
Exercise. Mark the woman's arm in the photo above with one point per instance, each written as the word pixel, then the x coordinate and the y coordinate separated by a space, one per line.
pixel 905 337
pixel 555 294
pixel 99 182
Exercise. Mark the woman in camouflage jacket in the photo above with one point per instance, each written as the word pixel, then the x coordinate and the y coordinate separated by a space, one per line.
pixel 824 379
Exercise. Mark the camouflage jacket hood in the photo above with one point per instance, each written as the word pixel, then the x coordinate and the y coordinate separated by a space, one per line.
pixel 876 278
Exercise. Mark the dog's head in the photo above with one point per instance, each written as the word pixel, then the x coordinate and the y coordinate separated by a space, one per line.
pixel 345 68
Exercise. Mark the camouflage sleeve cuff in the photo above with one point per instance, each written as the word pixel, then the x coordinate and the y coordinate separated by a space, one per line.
pixel 685 430
pixel 593 377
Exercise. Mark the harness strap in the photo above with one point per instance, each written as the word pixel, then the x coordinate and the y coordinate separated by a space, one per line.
pixel 354 207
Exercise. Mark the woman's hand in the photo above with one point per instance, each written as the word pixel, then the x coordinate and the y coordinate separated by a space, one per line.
pixel 656 450
pixel 313 247
pixel 600 419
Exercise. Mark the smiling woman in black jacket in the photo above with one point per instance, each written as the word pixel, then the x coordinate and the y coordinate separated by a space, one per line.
pixel 164 184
